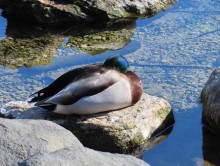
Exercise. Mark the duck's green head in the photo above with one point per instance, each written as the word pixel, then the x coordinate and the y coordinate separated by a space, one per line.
pixel 117 62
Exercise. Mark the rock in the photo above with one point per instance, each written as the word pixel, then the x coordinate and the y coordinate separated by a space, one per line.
pixel 211 148
pixel 50 12
pixel 38 142
pixel 3 3
pixel 69 156
pixel 210 97
pixel 116 131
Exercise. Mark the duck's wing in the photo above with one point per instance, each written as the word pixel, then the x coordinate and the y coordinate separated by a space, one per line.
pixel 61 82
pixel 89 84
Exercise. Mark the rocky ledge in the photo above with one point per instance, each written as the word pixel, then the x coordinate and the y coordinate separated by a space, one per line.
pixel 50 12
pixel 116 131
pixel 210 97
pixel 42 143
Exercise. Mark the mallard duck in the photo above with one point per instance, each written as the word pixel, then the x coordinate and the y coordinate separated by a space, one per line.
pixel 92 89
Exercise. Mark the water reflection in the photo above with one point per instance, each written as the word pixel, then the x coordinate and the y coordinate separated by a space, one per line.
pixel 157 137
pixel 3 23
pixel 173 53
pixel 32 46
pixel 102 38
pixel 211 148
pixel 28 46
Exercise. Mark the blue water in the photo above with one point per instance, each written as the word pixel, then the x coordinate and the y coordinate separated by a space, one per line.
pixel 3 23
pixel 173 53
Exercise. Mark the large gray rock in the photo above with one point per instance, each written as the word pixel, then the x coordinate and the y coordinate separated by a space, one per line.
pixel 210 97
pixel 115 131
pixel 56 11
pixel 38 142
pixel 69 156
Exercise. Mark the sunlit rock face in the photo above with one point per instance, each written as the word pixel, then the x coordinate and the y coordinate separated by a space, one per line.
pixel 211 102
pixel 43 143
pixel 57 11
pixel 119 131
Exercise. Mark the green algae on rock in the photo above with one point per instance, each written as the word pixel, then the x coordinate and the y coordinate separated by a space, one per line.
pixel 29 52
pixel 95 41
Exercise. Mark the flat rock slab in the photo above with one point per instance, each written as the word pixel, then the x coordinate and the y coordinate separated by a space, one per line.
pixel 115 131
pixel 210 97
pixel 58 12
pixel 43 143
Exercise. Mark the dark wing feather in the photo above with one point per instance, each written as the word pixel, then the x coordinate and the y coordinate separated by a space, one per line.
pixel 64 80
pixel 89 84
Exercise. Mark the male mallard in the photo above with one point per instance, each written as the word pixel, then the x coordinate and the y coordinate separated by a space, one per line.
pixel 91 89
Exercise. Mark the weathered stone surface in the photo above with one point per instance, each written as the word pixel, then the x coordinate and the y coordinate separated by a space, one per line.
pixel 85 156
pixel 115 131
pixel 210 97
pixel 22 138
pixel 38 142
pixel 57 11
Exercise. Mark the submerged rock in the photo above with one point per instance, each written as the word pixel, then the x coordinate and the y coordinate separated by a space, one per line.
pixel 210 97
pixel 116 131
pixel 41 143
pixel 49 12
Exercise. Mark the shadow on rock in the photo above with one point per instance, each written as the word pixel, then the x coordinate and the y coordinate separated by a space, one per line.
pixel 211 148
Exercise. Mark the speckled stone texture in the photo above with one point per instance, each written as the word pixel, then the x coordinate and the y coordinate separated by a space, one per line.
pixel 210 97
pixel 43 143
pixel 115 131
pixel 54 12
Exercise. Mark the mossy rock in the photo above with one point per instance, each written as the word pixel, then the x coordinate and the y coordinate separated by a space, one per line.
pixel 96 41
pixel 29 52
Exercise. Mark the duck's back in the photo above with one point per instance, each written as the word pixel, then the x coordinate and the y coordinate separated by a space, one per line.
pixel 114 97
pixel 63 81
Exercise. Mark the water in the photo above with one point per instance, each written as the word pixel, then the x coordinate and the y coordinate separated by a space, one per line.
pixel 3 23
pixel 173 53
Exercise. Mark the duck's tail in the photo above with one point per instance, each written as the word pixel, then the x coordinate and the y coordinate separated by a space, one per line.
pixel 47 106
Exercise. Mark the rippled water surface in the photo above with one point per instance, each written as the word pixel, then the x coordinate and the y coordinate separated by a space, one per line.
pixel 173 53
